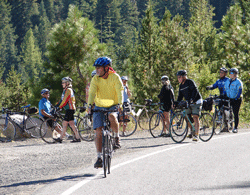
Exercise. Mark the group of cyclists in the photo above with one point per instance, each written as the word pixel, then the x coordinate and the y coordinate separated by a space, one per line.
pixel 108 90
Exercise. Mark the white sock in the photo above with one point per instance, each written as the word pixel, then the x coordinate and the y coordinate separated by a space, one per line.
pixel 99 155
pixel 116 134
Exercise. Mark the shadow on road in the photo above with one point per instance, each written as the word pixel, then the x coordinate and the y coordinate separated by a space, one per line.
pixel 65 178
pixel 238 185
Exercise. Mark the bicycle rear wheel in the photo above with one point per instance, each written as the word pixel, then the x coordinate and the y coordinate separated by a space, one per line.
pixel 7 130
pixel 206 127
pixel 144 118
pixel 127 126
pixel 33 124
pixel 85 130
pixel 156 125
pixel 48 132
pixel 178 128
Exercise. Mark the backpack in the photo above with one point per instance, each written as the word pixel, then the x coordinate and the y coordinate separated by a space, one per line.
pixel 207 104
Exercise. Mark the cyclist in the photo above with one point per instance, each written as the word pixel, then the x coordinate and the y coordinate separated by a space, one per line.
pixel 167 99
pixel 220 83
pixel 190 92
pixel 234 88
pixel 67 102
pixel 106 91
pixel 126 95
pixel 45 108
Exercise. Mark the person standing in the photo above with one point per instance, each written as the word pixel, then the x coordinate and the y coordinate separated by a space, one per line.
pixel 233 89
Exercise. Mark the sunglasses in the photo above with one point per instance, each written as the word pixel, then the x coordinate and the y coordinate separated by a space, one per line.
pixel 46 93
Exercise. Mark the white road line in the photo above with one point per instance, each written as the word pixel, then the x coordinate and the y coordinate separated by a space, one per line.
pixel 82 183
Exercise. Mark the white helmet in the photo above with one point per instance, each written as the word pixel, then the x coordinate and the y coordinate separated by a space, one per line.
pixel 164 77
pixel 124 78
pixel 66 79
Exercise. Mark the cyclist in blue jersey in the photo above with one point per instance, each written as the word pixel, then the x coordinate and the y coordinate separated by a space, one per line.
pixel 45 108
pixel 233 89
pixel 220 83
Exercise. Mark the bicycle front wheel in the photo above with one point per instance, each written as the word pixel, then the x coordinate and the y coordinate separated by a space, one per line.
pixel 144 118
pixel 178 128
pixel 156 125
pixel 105 153
pixel 206 127
pixel 7 130
pixel 111 150
pixel 48 130
pixel 127 126
pixel 85 130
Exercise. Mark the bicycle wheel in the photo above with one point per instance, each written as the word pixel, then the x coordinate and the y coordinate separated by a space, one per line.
pixel 216 122
pixel 127 126
pixel 32 126
pixel 206 127
pixel 85 129
pixel 111 150
pixel 156 124
pixel 144 118
pixel 105 153
pixel 178 128
pixel 230 120
pixel 48 132
pixel 7 130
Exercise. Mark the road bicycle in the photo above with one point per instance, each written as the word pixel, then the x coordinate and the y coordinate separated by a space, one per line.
pixel 27 125
pixel 107 140
pixel 223 117
pixel 156 122
pixel 127 122
pixel 144 113
pixel 179 124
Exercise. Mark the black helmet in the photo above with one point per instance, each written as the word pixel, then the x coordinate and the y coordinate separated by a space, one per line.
pixel 234 70
pixel 223 69
pixel 182 73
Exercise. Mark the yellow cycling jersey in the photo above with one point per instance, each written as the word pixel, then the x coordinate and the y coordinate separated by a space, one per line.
pixel 106 92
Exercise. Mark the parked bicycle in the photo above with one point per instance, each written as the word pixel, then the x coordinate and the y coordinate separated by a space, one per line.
pixel 223 117
pixel 144 113
pixel 156 122
pixel 27 125
pixel 179 124
pixel 127 122
pixel 107 141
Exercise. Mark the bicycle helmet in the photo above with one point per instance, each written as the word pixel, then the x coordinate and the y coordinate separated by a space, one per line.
pixel 223 69
pixel 44 91
pixel 103 61
pixel 234 70
pixel 66 79
pixel 182 73
pixel 165 77
pixel 124 78
pixel 93 73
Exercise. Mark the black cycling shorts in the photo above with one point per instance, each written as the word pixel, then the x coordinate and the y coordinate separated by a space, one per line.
pixel 69 116
pixel 49 122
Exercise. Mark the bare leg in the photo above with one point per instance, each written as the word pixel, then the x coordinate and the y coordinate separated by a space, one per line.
pixel 72 125
pixel 196 124
pixel 98 139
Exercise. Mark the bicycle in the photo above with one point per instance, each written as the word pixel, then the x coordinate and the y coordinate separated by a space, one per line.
pixel 107 140
pixel 28 126
pixel 127 122
pixel 143 114
pixel 179 125
pixel 223 115
pixel 156 122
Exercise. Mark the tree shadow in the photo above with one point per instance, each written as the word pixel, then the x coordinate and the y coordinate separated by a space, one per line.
pixel 47 181
pixel 238 185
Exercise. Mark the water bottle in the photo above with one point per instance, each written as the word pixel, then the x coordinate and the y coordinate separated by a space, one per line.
pixel 139 112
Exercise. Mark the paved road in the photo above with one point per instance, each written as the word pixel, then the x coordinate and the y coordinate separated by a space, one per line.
pixel 220 166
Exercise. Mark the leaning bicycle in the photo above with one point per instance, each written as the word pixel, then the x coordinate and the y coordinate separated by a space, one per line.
pixel 107 140
pixel 179 124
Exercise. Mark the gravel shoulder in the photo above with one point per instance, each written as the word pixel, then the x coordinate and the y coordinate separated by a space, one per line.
pixel 27 165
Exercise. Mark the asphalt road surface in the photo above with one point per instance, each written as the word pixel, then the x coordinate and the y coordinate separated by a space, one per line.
pixel 144 165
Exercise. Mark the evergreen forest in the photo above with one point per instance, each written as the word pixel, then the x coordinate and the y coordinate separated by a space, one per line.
pixel 42 41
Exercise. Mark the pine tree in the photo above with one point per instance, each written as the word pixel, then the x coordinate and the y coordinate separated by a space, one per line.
pixel 31 62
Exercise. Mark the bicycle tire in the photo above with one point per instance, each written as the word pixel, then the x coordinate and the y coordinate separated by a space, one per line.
pixel 32 126
pixel 156 124
pixel 47 133
pixel 178 128
pixel 216 122
pixel 111 150
pixel 128 125
pixel 144 118
pixel 7 131
pixel 85 129
pixel 206 127
pixel 105 154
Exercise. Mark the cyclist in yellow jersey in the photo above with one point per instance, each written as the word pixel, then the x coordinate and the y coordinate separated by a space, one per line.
pixel 106 91
pixel 68 103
